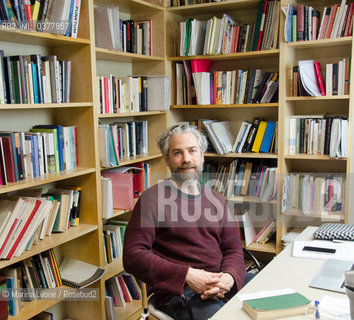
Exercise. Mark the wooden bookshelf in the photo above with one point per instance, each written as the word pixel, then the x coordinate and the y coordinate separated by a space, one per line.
pixel 242 155
pixel 130 114
pixel 233 106
pixel 131 311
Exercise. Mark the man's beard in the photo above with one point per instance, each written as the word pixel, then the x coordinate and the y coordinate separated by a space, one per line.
pixel 186 176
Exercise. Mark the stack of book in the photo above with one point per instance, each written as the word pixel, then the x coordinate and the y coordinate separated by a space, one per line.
pixel 318 135
pixel 38 272
pixel 266 233
pixel 307 79
pixel 25 220
pixel 122 140
pixel 305 23
pixel 222 35
pixel 111 32
pixel 258 136
pixel 34 79
pixel 59 17
pixel 312 193
pixel 44 149
pixel 113 234
pixel 243 178
pixel 120 290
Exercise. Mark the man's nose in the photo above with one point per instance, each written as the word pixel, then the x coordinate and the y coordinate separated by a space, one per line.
pixel 186 157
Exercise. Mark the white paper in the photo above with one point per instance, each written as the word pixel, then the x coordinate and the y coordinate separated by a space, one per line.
pixel 337 305
pixel 264 294
pixel 344 250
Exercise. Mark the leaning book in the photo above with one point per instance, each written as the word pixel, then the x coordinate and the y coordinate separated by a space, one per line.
pixel 78 274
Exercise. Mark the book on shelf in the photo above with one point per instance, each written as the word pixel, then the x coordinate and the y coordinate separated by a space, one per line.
pixel 246 228
pixel 312 193
pixel 124 35
pixel 307 79
pixel 59 17
pixel 178 3
pixel 335 22
pixel 226 35
pixel 318 135
pixel 221 135
pixel 79 274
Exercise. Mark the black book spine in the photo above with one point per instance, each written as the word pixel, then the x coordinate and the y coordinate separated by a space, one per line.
pixel 306 22
pixel 302 134
pixel 258 94
pixel 9 79
pixel 144 93
pixel 329 121
pixel 251 135
pixel 335 79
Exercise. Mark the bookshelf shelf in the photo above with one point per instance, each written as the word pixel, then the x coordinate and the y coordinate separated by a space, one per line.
pixel 321 98
pixel 221 106
pixel 113 268
pixel 243 155
pixel 268 247
pixel 132 310
pixel 250 200
pixel 138 158
pixel 30 309
pixel 232 56
pixel 45 106
pixel 323 43
pixel 39 38
pixel 120 56
pixel 138 5
pixel 130 114
pixel 214 7
pixel 333 216
pixel 54 240
pixel 312 157
pixel 47 178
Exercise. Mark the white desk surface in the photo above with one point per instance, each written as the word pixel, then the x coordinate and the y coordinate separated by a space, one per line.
pixel 284 271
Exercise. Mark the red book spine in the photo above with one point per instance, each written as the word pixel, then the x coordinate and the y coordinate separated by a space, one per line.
pixel 235 34
pixel 9 161
pixel 29 14
pixel 260 36
pixel 24 229
pixel 300 26
pixel 215 84
pixel 9 236
pixel 331 20
pixel 323 26
pixel 106 96
pixel 315 22
pixel 349 20
pixel 319 78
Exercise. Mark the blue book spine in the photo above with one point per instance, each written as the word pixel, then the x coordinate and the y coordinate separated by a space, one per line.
pixel 11 301
pixel 68 30
pixel 35 83
pixel 268 137
pixel 35 160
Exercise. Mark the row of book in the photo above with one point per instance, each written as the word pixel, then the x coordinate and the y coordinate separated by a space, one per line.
pixel 113 236
pixel 312 193
pixel 260 136
pixel 307 78
pixel 121 289
pixel 304 23
pixel 59 17
pixel 38 272
pixel 27 219
pixel 120 186
pixel 122 140
pixel 222 35
pixel 123 35
pixel 34 79
pixel 44 149
pixel 243 178
pixel 132 93
pixel 178 3
pixel 318 135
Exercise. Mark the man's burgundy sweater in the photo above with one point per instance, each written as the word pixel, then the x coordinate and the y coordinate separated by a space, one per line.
pixel 170 231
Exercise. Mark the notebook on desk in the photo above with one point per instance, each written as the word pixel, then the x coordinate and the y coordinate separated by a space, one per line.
pixel 331 275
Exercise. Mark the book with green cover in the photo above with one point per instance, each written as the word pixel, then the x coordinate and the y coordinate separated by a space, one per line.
pixel 275 307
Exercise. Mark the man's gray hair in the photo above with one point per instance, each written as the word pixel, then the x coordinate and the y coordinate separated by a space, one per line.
pixel 163 140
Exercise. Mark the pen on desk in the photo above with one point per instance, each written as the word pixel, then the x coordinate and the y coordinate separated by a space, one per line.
pixel 317 303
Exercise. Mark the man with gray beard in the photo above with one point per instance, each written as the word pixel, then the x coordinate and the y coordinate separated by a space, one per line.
pixel 181 238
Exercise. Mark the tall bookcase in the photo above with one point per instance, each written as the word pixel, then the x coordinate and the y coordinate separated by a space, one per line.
pixel 244 12
pixel 324 51
pixel 122 64
pixel 81 242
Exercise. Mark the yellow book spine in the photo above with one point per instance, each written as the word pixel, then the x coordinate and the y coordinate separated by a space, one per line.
pixel 259 136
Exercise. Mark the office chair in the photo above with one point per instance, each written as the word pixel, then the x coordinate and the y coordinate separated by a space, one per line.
pixel 148 300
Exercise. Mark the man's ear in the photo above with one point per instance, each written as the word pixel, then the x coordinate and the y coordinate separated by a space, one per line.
pixel 166 160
